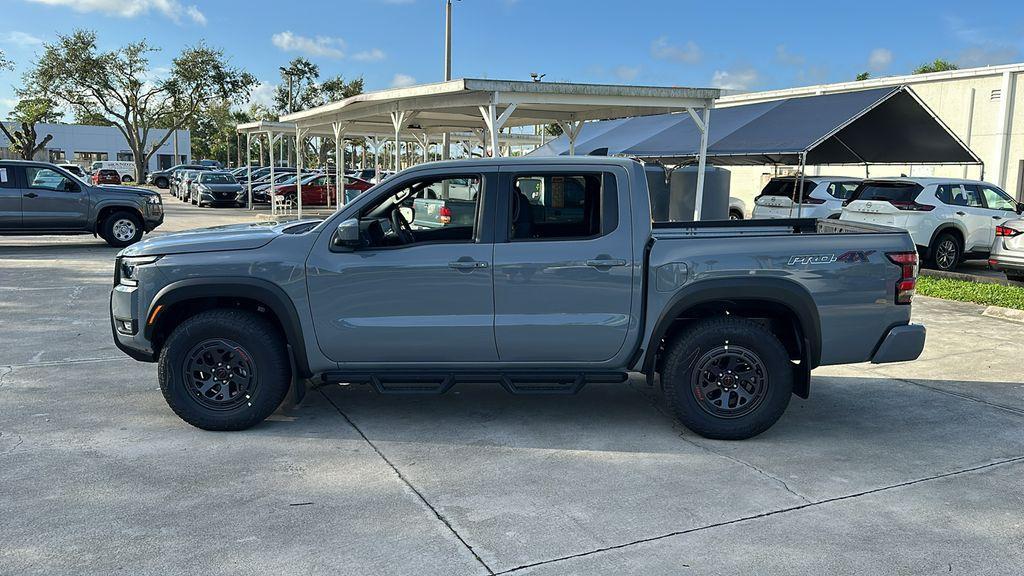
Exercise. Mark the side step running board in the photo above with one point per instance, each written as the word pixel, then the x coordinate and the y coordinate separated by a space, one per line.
pixel 514 382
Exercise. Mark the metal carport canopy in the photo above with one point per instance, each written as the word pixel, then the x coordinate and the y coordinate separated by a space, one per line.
pixel 456 105
pixel 879 126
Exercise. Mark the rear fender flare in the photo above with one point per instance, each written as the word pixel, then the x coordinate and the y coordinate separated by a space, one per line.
pixel 786 293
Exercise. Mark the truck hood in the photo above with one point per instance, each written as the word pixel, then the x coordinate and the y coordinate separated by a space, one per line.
pixel 219 238
pixel 107 188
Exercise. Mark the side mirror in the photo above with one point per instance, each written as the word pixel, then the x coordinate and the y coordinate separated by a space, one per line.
pixel 347 235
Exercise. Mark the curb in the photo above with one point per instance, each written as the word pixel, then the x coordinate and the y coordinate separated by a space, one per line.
pixel 1004 313
pixel 967 277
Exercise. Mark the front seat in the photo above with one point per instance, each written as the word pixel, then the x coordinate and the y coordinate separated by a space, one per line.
pixel 522 215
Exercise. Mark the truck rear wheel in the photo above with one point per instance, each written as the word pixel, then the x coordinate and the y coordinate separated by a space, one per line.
pixel 224 370
pixel 727 378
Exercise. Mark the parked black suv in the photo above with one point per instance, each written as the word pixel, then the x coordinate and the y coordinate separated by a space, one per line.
pixel 162 179
pixel 41 198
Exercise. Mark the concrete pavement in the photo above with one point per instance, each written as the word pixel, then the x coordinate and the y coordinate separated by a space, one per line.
pixel 913 468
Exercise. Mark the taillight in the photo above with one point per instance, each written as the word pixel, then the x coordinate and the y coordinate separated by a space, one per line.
pixel 444 215
pixel 907 284
pixel 1006 231
pixel 912 206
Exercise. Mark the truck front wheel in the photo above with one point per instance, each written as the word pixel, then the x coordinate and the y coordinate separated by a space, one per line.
pixel 727 378
pixel 224 370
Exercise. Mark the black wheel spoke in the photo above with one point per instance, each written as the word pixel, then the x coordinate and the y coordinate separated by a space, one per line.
pixel 732 381
pixel 219 374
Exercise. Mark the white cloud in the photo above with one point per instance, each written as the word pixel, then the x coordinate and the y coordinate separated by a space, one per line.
pixel 19 38
pixel 196 16
pixel 742 79
pixel 784 56
pixel 402 80
pixel 172 9
pixel 689 52
pixel 263 94
pixel 879 59
pixel 323 46
pixel 371 55
pixel 626 73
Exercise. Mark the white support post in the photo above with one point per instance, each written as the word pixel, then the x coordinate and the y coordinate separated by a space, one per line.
pixel 703 125
pixel 339 163
pixel 376 157
pixel 495 123
pixel 300 136
pixel 571 129
pixel 248 166
pixel 273 197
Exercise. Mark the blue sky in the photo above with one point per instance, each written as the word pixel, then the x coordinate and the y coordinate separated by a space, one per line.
pixel 738 45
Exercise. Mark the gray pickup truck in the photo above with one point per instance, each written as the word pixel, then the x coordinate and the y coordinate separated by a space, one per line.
pixel 40 198
pixel 540 293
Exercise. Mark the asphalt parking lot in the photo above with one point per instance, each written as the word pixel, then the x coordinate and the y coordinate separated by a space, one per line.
pixel 914 468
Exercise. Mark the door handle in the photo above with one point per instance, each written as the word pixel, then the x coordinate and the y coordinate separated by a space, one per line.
pixel 467 264
pixel 31 195
pixel 961 213
pixel 998 217
pixel 605 263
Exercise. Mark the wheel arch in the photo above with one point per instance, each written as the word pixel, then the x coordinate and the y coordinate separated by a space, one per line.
pixel 788 308
pixel 947 227
pixel 183 299
pixel 104 210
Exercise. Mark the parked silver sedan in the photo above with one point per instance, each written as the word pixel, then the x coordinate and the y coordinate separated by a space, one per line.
pixel 1008 249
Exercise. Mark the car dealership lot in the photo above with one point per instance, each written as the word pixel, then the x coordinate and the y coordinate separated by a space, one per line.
pixel 911 468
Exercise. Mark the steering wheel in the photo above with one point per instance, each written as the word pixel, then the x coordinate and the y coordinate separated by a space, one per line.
pixel 401 227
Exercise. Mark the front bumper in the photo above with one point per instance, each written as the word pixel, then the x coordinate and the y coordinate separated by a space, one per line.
pixel 126 328
pixel 154 216
pixel 901 344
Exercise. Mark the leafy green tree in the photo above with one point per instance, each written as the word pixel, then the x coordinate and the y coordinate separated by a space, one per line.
pixel 939 65
pixel 5 64
pixel 863 76
pixel 119 85
pixel 28 112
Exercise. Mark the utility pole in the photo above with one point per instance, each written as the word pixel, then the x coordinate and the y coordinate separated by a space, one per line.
pixel 446 141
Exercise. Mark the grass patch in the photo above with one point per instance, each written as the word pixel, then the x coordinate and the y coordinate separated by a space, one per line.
pixel 963 291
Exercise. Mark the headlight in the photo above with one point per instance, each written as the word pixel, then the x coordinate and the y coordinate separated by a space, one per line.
pixel 154 200
pixel 128 268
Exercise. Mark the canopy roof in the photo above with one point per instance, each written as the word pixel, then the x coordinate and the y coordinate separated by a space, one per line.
pixel 880 126
pixel 361 130
pixel 455 105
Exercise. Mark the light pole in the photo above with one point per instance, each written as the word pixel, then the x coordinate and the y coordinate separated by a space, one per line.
pixel 446 141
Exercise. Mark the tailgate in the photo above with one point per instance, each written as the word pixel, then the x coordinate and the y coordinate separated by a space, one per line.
pixel 773 207
pixel 875 212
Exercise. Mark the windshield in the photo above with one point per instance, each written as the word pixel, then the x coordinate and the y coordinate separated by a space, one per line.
pixel 215 178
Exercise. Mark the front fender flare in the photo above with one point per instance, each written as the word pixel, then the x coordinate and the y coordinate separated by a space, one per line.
pixel 263 291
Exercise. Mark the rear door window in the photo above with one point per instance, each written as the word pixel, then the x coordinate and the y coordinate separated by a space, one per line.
pixel 842 190
pixel 7 177
pixel 562 206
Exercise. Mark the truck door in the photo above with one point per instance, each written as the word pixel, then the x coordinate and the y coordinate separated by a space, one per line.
pixel 409 294
pixel 563 264
pixel 10 198
pixel 53 200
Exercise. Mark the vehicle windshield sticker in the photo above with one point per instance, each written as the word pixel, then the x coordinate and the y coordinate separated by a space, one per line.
pixel 3 174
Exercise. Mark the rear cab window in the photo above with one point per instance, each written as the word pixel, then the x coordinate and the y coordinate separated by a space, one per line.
pixel 562 206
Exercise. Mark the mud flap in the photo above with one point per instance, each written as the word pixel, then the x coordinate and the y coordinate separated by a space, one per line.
pixel 297 391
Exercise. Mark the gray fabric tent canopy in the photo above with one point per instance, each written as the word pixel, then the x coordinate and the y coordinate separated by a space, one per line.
pixel 879 126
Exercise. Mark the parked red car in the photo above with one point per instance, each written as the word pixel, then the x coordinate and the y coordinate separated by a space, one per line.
pixel 317 189
pixel 106 177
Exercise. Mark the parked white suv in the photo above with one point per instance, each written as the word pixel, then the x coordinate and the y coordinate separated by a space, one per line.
pixel 124 168
pixel 948 218
pixel 823 197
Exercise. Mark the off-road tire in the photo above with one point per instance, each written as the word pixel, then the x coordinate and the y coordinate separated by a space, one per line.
pixel 685 400
pixel 113 228
pixel 262 344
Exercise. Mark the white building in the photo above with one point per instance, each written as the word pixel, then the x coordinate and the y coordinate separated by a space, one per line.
pixel 983 106
pixel 83 145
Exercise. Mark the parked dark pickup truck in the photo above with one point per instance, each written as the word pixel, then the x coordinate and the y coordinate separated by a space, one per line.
pixel 560 279
pixel 40 198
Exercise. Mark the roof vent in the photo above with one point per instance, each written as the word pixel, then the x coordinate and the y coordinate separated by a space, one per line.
pixel 996 95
